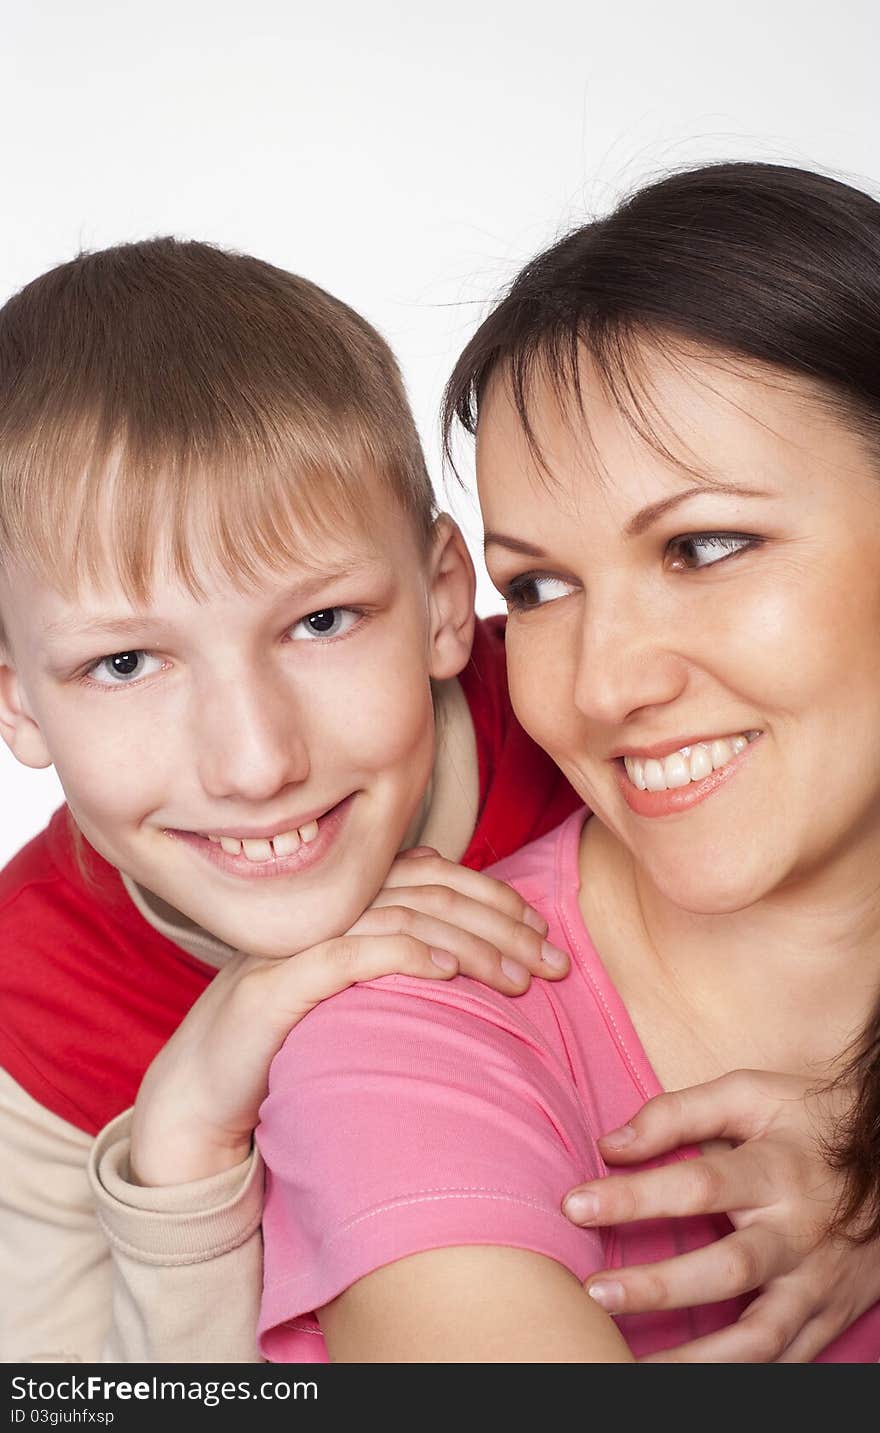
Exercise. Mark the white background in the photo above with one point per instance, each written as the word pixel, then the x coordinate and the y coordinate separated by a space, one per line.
pixel 408 159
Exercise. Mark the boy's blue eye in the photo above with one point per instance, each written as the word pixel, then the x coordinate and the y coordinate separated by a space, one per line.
pixel 123 668
pixel 329 622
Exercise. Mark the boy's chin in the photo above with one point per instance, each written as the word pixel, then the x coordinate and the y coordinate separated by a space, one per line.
pixel 269 942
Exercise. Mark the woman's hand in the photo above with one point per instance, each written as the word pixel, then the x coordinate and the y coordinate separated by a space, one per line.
pixel 199 1100
pixel 778 1192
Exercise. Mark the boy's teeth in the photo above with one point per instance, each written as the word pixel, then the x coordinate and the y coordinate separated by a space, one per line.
pixel 286 843
pixel 691 763
pixel 257 850
pixel 261 850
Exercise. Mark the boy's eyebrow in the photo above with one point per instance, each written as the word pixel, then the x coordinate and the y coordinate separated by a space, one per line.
pixel 69 627
pixel 135 626
pixel 641 521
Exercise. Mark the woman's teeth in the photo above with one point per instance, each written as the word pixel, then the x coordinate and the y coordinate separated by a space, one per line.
pixel 689 763
pixel 259 850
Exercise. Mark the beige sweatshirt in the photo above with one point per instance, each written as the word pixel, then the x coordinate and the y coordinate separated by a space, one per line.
pixel 96 1269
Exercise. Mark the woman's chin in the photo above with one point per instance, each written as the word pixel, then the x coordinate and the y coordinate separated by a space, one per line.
pixel 705 891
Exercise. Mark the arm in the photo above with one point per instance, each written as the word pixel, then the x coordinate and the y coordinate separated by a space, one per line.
pixel 470 1305
pixel 410 1131
pixel 95 1270
pixel 54 1261
pixel 778 1192
pixel 187 1260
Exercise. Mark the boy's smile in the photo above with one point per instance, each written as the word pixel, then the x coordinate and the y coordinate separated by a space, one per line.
pixel 254 758
pixel 269 852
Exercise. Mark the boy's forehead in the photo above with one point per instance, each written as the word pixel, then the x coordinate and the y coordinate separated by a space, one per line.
pixel 305 562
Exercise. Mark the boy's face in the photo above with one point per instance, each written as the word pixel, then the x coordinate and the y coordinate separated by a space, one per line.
pixel 298 713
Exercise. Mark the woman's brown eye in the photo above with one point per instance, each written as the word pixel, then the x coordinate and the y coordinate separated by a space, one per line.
pixel 704 549
pixel 536 591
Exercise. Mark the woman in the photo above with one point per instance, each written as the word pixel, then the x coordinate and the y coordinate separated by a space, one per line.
pixel 675 410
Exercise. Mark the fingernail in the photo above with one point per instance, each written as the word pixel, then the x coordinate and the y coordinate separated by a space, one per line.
pixel 581 1208
pixel 514 971
pixel 553 956
pixel 619 1138
pixel 609 1295
pixel 536 921
pixel 444 960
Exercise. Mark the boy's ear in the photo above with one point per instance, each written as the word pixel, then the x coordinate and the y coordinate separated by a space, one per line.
pixel 18 727
pixel 451 593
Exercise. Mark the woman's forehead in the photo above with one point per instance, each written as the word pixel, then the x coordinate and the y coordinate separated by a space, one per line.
pixel 697 417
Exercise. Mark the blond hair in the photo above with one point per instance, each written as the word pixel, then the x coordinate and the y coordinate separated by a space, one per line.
pixel 170 392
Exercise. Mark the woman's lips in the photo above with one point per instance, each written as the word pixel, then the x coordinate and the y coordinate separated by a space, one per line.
pixel 681 798
pixel 307 855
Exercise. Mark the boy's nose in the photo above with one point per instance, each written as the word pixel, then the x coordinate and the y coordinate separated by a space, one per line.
pixel 249 743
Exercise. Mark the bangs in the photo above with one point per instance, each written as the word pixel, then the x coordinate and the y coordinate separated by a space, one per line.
pixel 82 507
pixel 624 356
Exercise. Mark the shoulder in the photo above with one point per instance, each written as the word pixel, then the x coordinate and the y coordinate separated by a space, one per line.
pixel 444 1055
pixel 85 983
pixel 543 869
pixel 30 867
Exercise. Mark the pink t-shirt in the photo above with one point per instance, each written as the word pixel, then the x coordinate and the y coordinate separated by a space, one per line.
pixel 404 1116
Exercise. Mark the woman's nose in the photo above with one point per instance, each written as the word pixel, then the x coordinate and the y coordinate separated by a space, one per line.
pixel 629 659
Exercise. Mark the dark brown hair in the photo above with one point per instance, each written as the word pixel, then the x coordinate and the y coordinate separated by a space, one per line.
pixel 774 266
pixel 168 389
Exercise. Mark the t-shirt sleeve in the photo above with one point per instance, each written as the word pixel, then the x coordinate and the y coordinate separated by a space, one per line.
pixel 403 1117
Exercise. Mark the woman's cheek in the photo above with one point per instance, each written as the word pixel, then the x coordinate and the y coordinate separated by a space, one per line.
pixel 539 689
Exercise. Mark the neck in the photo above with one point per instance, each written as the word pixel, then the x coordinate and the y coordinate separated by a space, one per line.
pixel 783 984
pixel 447 815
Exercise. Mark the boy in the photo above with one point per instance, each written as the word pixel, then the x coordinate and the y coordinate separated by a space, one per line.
pixel 228 615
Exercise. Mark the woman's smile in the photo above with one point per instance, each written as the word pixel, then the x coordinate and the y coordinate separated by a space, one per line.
pixel 671 642
pixel 664 784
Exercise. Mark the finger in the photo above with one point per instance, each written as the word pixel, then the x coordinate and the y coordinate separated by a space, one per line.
pixel 477 957
pixel 816 1334
pixel 299 984
pixel 731 1266
pixel 763 1333
pixel 516 940
pixel 735 1106
pixel 432 869
pixel 716 1183
pixel 823 1296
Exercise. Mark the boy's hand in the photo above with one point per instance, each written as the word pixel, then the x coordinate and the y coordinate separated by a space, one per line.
pixel 777 1191
pixel 199 1100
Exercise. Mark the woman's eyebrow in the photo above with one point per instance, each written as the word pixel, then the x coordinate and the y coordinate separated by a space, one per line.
pixel 515 544
pixel 641 521
pixel 650 514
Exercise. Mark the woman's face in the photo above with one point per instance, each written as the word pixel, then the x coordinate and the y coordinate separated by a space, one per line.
pixel 698 650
